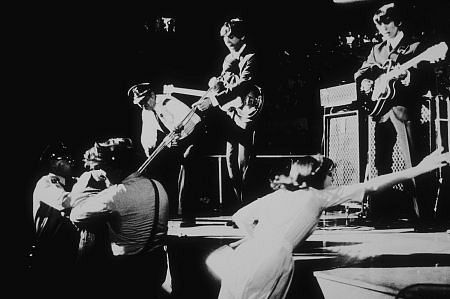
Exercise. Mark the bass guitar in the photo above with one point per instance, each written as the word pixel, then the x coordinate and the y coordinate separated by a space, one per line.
pixel 241 109
pixel 381 97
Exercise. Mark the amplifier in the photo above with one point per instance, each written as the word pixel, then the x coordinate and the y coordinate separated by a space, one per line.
pixel 342 145
pixel 338 95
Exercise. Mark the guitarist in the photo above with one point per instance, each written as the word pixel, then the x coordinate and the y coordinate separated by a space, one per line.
pixel 238 77
pixel 401 119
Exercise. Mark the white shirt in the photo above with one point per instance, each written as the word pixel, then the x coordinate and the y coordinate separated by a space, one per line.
pixel 50 190
pixel 171 113
pixel 149 132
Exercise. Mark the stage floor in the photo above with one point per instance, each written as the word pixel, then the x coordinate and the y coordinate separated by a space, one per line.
pixel 354 242
pixel 336 244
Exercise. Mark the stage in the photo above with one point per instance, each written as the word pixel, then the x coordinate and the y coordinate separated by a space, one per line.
pixel 343 258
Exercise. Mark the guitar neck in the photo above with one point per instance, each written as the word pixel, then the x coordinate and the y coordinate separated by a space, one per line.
pixel 405 66
pixel 411 63
pixel 157 150
pixel 186 91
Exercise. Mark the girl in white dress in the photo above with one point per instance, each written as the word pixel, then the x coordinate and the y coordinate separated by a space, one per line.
pixel 261 264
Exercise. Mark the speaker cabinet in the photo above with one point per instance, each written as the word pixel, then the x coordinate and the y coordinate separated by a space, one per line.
pixel 342 145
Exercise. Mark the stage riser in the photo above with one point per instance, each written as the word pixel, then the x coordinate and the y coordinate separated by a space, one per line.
pixel 387 281
pixel 333 290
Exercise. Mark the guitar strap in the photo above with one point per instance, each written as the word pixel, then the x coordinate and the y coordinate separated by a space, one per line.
pixel 399 50
pixel 393 56
pixel 161 124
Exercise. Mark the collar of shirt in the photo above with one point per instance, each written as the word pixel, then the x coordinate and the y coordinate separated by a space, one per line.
pixel 396 40
pixel 237 55
pixel 57 179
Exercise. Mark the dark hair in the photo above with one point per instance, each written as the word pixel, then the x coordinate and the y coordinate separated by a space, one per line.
pixel 388 13
pixel 307 171
pixel 235 26
pixel 115 155
pixel 52 156
pixel 56 150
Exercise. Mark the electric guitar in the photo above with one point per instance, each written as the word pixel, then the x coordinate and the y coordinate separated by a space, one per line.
pixel 242 110
pixel 381 97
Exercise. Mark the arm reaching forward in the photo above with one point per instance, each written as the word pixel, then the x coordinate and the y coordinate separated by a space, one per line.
pixel 431 162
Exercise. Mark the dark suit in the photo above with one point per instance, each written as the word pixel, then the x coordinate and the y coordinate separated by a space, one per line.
pixel 401 120
pixel 238 76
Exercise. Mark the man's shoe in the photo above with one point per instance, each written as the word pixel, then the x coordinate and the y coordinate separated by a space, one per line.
pixel 429 227
pixel 188 223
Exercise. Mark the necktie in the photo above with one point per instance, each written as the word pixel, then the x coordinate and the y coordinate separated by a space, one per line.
pixel 161 124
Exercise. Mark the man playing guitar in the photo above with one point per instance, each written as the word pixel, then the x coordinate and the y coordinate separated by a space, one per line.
pixel 402 117
pixel 237 80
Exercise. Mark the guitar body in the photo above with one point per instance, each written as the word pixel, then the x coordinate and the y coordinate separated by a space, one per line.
pixel 245 110
pixel 383 95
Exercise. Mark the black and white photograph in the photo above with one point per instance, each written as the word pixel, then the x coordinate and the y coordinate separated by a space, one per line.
pixel 234 149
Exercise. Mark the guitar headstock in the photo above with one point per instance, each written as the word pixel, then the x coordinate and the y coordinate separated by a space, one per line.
pixel 436 52
pixel 168 89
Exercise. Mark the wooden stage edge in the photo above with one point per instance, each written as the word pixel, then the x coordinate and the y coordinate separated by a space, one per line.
pixel 339 260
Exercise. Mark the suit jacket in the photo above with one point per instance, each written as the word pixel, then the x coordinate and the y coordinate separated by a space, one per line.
pixel 238 75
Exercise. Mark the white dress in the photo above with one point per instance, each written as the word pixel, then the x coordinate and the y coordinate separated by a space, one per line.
pixel 262 267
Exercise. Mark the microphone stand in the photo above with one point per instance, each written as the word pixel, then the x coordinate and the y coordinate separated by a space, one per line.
pixel 439 144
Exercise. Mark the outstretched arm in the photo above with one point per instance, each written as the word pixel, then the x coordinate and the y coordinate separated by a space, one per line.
pixel 355 192
pixel 429 163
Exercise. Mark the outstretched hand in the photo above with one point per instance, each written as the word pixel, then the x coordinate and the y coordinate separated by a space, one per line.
pixel 203 104
pixel 174 142
pixel 89 180
pixel 434 160
pixel 367 86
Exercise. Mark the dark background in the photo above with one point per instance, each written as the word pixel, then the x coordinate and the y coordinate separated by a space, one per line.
pixel 77 61
pixel 82 59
